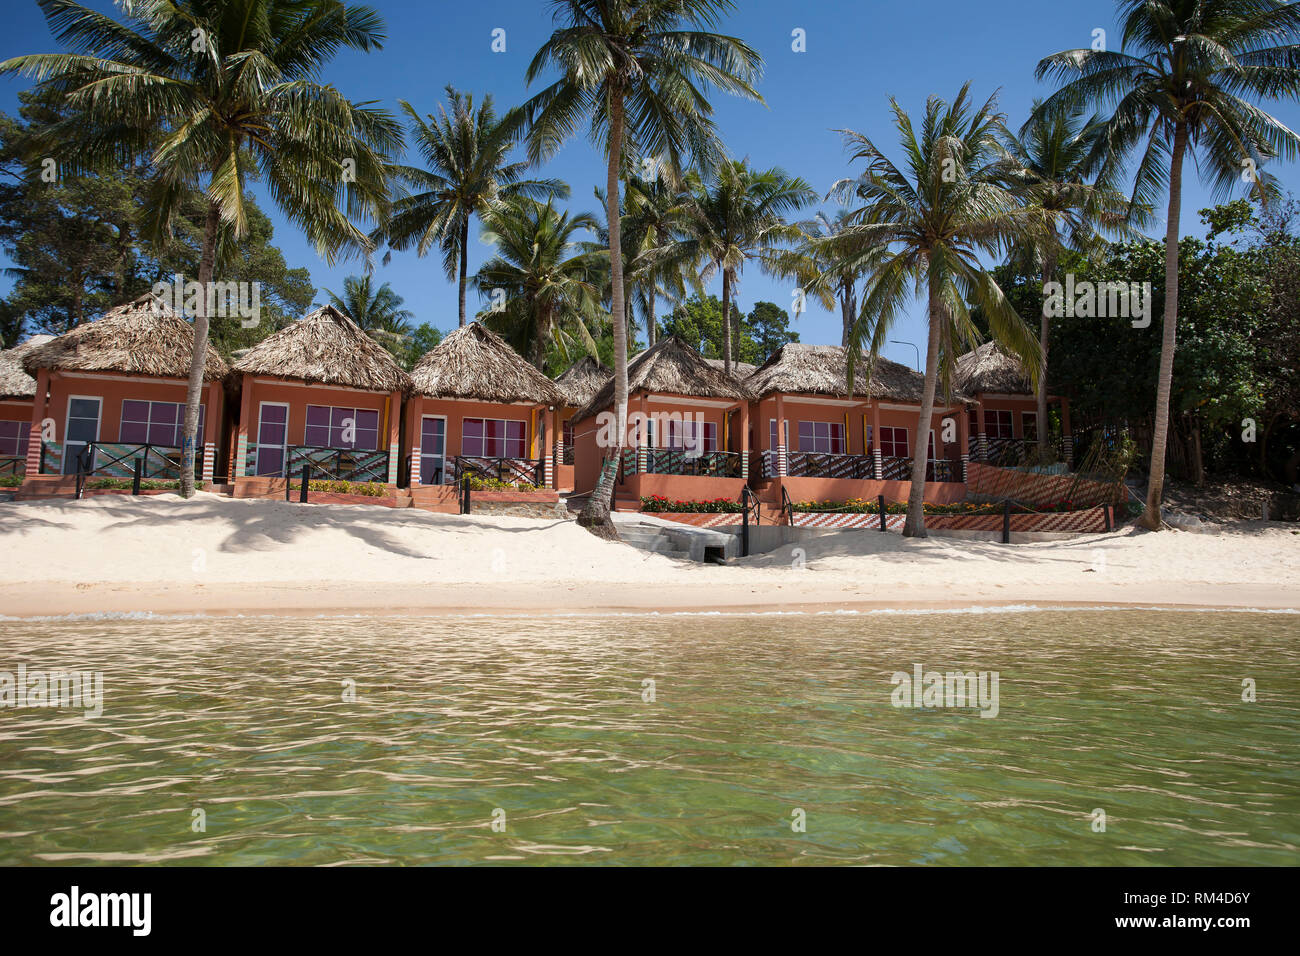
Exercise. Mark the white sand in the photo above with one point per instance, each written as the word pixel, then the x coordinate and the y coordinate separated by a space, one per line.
pixel 217 555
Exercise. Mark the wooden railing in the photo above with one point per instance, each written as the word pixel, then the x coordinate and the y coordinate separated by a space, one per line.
pixel 13 465
pixel 674 461
pixel 338 464
pixel 514 471
pixel 810 464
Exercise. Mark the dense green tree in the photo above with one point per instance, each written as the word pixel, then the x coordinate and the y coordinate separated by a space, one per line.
pixel 1185 81
pixel 768 327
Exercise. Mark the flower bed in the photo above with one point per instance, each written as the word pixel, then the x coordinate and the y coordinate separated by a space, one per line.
pixel 146 484
pixel 658 504
pixel 369 489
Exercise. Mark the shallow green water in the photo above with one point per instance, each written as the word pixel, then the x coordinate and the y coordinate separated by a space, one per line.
pixel 1138 713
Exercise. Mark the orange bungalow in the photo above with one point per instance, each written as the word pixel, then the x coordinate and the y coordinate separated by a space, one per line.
pixel 112 391
pixel 579 385
pixel 478 408
pixel 688 430
pixel 820 442
pixel 1003 421
pixel 17 394
pixel 322 394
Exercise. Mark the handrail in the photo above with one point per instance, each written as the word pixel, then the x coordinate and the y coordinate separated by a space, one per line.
pixel 509 470
pixel 787 506
pixel 11 463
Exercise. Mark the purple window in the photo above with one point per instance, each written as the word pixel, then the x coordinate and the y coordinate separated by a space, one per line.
pixel 492 438
pixel 13 438
pixel 156 423
pixel 338 427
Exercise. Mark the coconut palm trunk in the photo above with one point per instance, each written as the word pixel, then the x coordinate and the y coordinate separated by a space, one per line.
pixel 199 360
pixel 1044 329
pixel 914 526
pixel 726 321
pixel 1160 435
pixel 595 513
pixel 464 266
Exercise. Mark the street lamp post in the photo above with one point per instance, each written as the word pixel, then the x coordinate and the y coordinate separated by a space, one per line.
pixel 914 345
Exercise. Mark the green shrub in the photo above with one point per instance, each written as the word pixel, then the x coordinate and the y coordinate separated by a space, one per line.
pixel 371 489
pixel 658 503
pixel 10 481
pixel 125 484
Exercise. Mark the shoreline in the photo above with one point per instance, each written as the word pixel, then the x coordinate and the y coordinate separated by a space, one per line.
pixel 301 602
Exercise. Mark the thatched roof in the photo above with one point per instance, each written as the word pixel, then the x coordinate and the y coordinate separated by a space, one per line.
pixel 329 348
pixel 797 369
pixel 739 370
pixel 583 379
pixel 143 337
pixel 474 362
pixel 14 382
pixel 990 369
pixel 673 367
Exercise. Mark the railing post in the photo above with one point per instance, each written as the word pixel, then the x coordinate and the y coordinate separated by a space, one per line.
pixel 139 471
pixel 1110 519
pixel 880 504
pixel 1006 521
pixel 464 492
pixel 302 490
pixel 744 522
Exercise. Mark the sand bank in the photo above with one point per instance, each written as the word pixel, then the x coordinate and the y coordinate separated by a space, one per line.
pixel 219 556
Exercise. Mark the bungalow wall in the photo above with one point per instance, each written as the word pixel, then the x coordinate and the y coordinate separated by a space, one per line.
pixel 118 408
pixel 274 417
pixel 1008 416
pixel 722 424
pixel 440 429
pixel 875 429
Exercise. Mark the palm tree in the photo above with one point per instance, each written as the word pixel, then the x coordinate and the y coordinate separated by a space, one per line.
pixel 826 269
pixel 935 220
pixel 657 264
pixel 233 86
pixel 552 285
pixel 377 311
pixel 1056 152
pixel 641 70
pixel 1188 85
pixel 466 151
pixel 737 216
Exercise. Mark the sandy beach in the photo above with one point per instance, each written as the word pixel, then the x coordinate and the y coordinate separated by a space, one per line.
pixel 214 555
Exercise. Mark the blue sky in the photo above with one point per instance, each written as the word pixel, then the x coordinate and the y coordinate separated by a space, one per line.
pixel 858 55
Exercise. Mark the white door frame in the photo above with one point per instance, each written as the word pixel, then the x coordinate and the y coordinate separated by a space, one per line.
pixel 67 420
pixel 419 465
pixel 284 449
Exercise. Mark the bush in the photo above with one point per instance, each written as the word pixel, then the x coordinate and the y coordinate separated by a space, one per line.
pixel 658 503
pixel 10 481
pixel 125 484
pixel 479 483
pixel 371 489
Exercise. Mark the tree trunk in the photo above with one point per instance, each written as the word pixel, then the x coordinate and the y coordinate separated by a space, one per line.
pixel 1045 455
pixel 199 360
pixel 1198 459
pixel 1160 432
pixel 726 321
pixel 595 513
pixel 464 265
pixel 914 526
pixel 650 330
pixel 848 306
